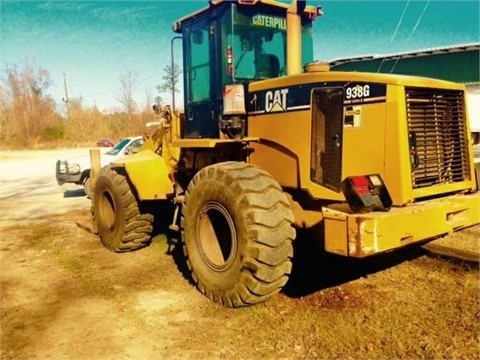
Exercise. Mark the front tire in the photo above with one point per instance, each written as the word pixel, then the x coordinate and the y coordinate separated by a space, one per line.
pixel 237 234
pixel 86 187
pixel 120 224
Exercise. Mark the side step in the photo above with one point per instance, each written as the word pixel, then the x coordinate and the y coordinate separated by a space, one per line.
pixel 178 201
pixel 172 240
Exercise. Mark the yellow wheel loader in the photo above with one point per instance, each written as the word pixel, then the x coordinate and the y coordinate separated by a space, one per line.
pixel 270 141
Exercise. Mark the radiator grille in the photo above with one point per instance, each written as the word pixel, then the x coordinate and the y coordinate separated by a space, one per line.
pixel 437 136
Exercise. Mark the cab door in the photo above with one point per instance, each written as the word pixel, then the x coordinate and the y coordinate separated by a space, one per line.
pixel 200 119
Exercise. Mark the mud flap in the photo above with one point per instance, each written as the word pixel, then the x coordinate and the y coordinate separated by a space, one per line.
pixel 149 174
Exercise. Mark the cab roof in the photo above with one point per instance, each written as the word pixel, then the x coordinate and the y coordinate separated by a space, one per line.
pixel 311 12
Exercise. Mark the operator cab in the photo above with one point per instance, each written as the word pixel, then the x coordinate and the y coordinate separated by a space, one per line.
pixel 232 42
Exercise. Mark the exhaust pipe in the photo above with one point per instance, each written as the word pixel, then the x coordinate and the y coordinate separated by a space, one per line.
pixel 294 37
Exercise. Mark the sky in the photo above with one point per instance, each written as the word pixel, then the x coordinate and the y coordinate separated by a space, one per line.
pixel 87 45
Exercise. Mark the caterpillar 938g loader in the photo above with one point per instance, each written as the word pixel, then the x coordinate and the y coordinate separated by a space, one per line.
pixel 271 142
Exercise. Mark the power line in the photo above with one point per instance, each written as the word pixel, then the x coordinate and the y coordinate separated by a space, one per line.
pixel 411 33
pixel 399 21
pixel 395 32
pixel 419 19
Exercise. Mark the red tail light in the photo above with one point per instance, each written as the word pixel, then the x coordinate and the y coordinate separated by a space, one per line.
pixel 366 193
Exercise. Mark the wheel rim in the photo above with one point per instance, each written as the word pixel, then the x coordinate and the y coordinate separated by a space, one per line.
pixel 107 211
pixel 216 236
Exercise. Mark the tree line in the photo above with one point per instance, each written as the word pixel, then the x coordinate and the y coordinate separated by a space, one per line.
pixel 29 117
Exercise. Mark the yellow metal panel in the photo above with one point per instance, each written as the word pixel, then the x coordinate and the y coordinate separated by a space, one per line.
pixel 442 189
pixel 397 172
pixel 389 79
pixel 379 145
pixel 376 232
pixel 294 41
pixel 280 152
pixel 149 174
pixel 284 150
pixel 336 233
pixel 363 145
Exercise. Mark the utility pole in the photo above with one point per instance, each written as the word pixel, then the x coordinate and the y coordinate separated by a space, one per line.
pixel 66 95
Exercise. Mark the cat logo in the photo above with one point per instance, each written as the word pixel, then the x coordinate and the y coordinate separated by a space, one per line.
pixel 276 100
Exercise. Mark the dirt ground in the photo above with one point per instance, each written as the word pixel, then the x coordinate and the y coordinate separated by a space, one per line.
pixel 64 296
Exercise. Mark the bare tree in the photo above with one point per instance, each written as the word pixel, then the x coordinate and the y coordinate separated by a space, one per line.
pixel 128 81
pixel 4 128
pixel 158 100
pixel 170 79
pixel 31 111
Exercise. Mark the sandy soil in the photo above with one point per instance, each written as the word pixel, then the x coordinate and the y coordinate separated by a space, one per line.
pixel 63 317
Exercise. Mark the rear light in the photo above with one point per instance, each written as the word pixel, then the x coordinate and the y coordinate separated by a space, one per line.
pixel 366 193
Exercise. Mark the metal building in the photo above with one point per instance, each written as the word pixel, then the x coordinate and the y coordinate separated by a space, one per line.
pixel 459 63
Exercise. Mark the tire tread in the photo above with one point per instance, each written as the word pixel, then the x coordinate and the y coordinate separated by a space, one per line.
pixel 136 227
pixel 270 234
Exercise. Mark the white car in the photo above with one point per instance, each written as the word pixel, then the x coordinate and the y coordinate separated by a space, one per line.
pixel 76 170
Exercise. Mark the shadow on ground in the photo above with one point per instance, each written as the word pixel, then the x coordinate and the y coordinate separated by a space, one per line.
pixel 314 269
pixel 74 193
pixel 164 217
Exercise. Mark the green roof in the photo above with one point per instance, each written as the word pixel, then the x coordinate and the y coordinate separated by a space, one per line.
pixel 460 63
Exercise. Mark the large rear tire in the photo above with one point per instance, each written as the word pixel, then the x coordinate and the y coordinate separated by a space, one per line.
pixel 120 224
pixel 237 234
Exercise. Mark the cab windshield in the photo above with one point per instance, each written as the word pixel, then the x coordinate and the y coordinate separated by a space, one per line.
pixel 234 43
pixel 239 44
pixel 258 41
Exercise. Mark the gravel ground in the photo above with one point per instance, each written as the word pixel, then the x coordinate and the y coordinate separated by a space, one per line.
pixel 28 188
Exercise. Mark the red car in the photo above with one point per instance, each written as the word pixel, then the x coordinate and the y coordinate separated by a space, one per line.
pixel 105 143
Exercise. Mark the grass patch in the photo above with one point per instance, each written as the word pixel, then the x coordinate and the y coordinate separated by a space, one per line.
pixel 426 308
pixel 417 307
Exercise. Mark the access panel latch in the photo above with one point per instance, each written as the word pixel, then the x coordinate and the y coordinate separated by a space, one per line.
pixel 366 193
